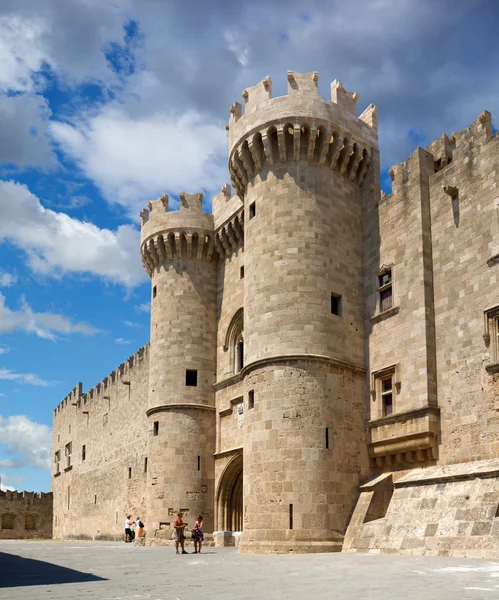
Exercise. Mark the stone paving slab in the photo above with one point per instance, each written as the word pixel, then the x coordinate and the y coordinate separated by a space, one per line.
pixel 118 571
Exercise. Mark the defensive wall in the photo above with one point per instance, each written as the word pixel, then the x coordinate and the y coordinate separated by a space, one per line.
pixel 25 515
pixel 100 454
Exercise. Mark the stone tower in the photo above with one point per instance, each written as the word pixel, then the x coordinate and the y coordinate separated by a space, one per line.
pixel 299 163
pixel 177 250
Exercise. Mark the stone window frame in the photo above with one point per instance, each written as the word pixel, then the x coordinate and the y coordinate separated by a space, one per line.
pixel 383 287
pixel 394 309
pixel 68 449
pixel 491 337
pixel 377 377
pixel 57 462
pixel 233 339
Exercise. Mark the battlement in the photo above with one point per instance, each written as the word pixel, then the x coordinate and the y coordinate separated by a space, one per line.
pixel 301 126
pixel 446 150
pixel 183 233
pixel 25 496
pixel 302 100
pixel 79 399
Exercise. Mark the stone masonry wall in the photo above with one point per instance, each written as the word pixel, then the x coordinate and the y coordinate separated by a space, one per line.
pixel 93 495
pixel 465 232
pixel 25 515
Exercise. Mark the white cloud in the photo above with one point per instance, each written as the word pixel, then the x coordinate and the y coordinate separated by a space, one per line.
pixel 24 139
pixel 134 159
pixel 28 443
pixel 43 324
pixel 131 324
pixel 4 487
pixel 122 341
pixel 21 51
pixel 239 46
pixel 144 307
pixel 6 280
pixel 27 378
pixel 55 243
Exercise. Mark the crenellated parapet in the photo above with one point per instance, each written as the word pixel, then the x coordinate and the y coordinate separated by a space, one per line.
pixel 166 235
pixel 79 400
pixel 44 497
pixel 301 126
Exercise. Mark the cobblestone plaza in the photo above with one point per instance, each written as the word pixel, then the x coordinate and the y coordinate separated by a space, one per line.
pixel 117 571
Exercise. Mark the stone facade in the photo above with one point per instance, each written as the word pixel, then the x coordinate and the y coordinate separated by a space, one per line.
pixel 323 371
pixel 25 515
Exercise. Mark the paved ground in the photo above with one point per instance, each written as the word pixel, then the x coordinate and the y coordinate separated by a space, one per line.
pixel 113 571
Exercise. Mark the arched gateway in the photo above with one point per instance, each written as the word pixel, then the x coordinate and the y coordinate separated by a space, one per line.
pixel 230 497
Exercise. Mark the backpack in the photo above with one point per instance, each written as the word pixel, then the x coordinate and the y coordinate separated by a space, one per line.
pixel 141 524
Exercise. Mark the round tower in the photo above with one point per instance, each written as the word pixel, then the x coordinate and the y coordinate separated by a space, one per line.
pixel 177 252
pixel 299 163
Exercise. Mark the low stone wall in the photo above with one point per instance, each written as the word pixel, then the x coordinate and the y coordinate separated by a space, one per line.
pixel 451 510
pixel 25 515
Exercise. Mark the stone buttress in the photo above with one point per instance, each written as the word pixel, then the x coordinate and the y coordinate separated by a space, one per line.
pixel 299 164
pixel 178 253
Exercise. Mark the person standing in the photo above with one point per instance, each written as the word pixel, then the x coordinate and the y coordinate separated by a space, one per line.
pixel 179 526
pixel 139 528
pixel 198 535
pixel 128 525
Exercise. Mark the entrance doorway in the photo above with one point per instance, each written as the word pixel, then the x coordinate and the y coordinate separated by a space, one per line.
pixel 230 497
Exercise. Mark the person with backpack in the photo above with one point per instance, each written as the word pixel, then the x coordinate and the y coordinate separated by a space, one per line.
pixel 139 528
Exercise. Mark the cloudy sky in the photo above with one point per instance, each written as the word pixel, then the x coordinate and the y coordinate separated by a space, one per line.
pixel 105 105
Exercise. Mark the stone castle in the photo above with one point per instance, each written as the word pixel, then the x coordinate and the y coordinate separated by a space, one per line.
pixel 323 367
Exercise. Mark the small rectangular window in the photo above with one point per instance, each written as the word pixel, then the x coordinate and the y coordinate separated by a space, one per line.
pixel 252 210
pixel 67 451
pixel 387 395
pixel 95 498
pixel 241 272
pixel 327 438
pixel 191 377
pixel 291 516
pixel 129 472
pixel 336 304
pixel 156 428
pixel 251 399
pixel 70 429
pixel 104 419
pixel 145 464
pixel 83 452
pixel 57 460
pixel 199 463
pixel 385 290
pixel 154 291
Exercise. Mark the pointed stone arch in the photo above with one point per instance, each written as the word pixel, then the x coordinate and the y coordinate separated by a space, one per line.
pixel 230 496
pixel 234 341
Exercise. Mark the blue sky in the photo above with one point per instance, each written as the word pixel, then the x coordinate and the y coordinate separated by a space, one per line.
pixel 107 105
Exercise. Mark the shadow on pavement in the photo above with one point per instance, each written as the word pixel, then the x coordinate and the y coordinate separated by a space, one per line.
pixel 17 571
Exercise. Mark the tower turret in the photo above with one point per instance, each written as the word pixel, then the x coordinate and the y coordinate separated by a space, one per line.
pixel 178 253
pixel 299 163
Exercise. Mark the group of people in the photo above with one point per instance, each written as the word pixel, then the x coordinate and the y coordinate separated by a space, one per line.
pixel 197 534
pixel 136 529
pixel 133 529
